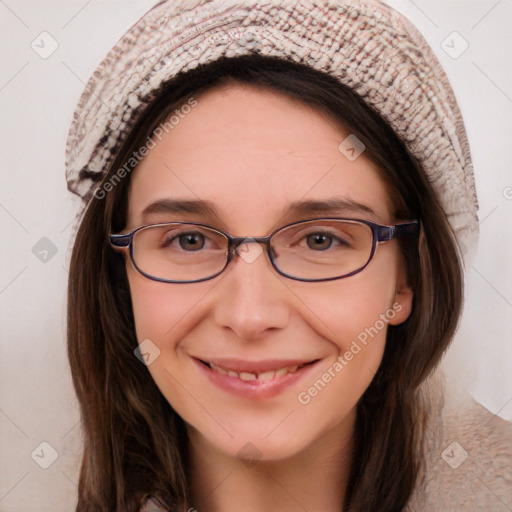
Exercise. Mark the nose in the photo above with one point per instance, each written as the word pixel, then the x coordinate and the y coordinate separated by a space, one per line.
pixel 251 298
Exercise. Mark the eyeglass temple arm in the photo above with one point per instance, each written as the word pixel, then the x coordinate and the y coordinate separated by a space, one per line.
pixel 120 240
pixel 389 232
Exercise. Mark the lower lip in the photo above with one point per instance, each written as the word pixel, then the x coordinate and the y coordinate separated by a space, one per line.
pixel 255 388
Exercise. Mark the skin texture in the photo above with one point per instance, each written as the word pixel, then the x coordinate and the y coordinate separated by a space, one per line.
pixel 251 152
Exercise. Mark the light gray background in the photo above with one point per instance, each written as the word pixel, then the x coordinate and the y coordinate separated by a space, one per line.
pixel 37 99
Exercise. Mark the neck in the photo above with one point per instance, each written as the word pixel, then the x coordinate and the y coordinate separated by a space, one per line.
pixel 314 479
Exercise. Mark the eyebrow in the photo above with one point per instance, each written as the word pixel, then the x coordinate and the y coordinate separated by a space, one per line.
pixel 328 206
pixel 201 207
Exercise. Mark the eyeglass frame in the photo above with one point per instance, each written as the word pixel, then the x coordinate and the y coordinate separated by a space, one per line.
pixel 380 233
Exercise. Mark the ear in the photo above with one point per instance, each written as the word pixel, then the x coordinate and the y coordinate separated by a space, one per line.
pixel 402 301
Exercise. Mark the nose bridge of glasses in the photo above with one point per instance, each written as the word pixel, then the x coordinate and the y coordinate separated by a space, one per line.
pixel 236 241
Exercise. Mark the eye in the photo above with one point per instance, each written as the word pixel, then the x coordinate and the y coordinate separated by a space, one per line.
pixel 319 241
pixel 190 242
pixel 323 240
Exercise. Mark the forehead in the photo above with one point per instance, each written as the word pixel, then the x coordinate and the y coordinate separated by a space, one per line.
pixel 251 152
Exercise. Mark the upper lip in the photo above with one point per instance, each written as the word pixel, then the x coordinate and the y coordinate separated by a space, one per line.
pixel 240 365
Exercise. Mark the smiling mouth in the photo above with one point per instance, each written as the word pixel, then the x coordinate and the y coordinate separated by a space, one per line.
pixel 257 380
pixel 261 376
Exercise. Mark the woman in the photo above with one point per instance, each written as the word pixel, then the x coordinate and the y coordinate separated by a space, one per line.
pixel 266 272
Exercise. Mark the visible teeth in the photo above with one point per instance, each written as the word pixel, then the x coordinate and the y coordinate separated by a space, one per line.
pixel 218 368
pixel 266 375
pixel 247 376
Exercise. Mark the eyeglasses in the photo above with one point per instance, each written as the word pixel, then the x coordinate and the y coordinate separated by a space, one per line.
pixel 310 250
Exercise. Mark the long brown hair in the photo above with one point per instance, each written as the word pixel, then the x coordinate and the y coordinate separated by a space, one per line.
pixel 135 445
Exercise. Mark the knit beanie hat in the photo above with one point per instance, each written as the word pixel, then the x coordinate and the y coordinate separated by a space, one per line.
pixel 365 44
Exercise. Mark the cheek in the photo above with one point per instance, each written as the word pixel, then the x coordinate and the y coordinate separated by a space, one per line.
pixel 163 314
pixel 345 310
pixel 355 321
pixel 160 309
pixel 354 317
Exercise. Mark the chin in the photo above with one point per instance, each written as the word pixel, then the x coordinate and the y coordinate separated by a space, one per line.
pixel 254 440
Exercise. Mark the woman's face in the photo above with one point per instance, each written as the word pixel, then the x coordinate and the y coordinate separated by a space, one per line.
pixel 248 154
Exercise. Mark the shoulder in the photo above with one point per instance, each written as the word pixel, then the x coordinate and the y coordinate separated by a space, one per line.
pixel 469 467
